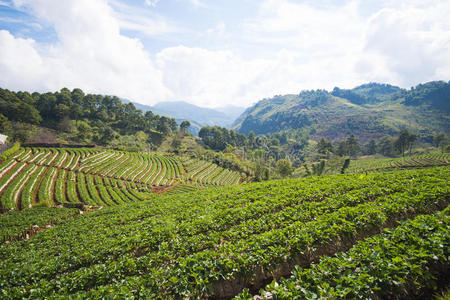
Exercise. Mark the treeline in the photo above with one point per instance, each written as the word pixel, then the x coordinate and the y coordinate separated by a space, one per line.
pixel 387 146
pixel 280 153
pixel 79 117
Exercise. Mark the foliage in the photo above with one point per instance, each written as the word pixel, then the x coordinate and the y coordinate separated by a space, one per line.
pixel 195 244
pixel 324 147
pixel 349 147
pixel 16 224
pixel 404 141
pixel 404 262
pixel 218 138
pixel 10 151
pixel 434 93
pixel 97 118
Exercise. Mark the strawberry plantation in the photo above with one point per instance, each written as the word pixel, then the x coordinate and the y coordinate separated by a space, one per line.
pixel 99 177
pixel 375 235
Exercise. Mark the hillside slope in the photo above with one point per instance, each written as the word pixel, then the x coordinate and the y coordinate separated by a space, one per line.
pixel 99 177
pixel 369 111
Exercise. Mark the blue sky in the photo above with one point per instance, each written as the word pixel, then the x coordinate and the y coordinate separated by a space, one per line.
pixel 214 53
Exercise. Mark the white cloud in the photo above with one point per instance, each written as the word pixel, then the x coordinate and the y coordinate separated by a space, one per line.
pixel 141 20
pixel 294 46
pixel 21 66
pixel 406 43
pixel 196 3
pixel 151 3
pixel 90 54
pixel 414 42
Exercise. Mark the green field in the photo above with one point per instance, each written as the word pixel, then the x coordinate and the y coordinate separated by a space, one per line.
pixel 227 241
pixel 409 162
pixel 99 177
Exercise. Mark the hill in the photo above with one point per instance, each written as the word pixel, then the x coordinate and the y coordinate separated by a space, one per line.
pixel 368 111
pixel 73 117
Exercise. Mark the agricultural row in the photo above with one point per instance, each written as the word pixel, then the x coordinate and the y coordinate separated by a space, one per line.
pixel 94 177
pixel 204 172
pixel 405 262
pixel 216 242
pixel 19 224
pixel 416 161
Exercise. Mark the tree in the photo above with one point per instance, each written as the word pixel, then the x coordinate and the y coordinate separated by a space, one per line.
pixel 261 172
pixel 411 139
pixel 61 111
pixel 176 143
pixel 441 141
pixel 371 147
pixel 251 139
pixel 438 138
pixel 385 146
pixel 284 167
pixel 84 131
pixel 352 146
pixel 342 148
pixel 324 147
pixel 404 141
pixel 184 126
pixel 5 124
pixel 345 165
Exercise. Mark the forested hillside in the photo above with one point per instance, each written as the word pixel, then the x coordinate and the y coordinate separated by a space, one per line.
pixel 76 117
pixel 369 111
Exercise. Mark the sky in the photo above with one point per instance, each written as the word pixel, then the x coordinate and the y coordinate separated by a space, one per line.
pixel 214 53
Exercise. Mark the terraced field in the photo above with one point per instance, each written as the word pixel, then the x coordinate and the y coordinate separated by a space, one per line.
pixel 385 164
pixel 324 235
pixel 97 177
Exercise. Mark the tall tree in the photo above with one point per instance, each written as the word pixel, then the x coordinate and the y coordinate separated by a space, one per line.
pixel 404 141
pixel 353 147
pixel 371 147
pixel 184 126
pixel 385 146
pixel 324 147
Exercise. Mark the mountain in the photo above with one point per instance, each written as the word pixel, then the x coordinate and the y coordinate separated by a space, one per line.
pixel 369 111
pixel 196 115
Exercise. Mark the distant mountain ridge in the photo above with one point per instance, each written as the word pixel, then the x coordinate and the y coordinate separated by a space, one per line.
pixel 368 111
pixel 198 116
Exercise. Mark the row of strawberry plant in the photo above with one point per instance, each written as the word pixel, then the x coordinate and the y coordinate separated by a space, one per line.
pixel 142 165
pixel 111 163
pixel 189 244
pixel 71 188
pixel 16 224
pixel 5 185
pixel 405 262
pixel 46 189
pixel 245 261
pixel 30 189
pixel 87 166
pixel 10 197
pixel 60 187
pixel 83 192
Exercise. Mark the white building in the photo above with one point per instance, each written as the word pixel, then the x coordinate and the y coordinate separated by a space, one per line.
pixel 3 139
